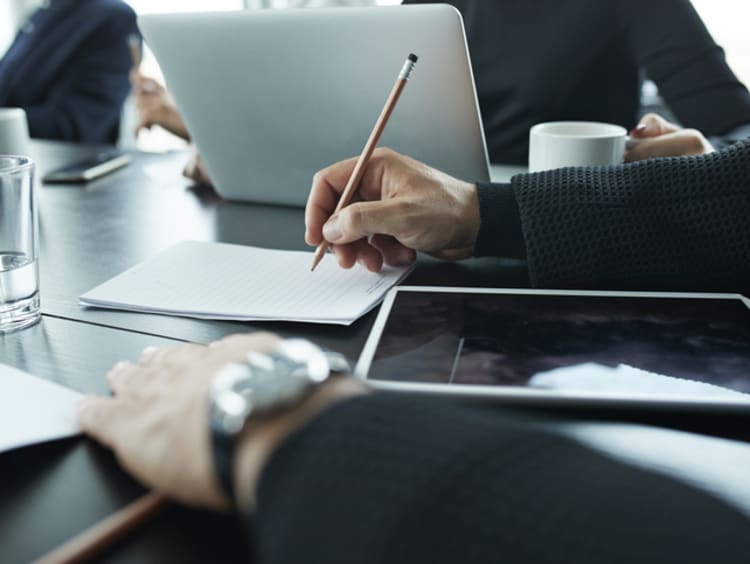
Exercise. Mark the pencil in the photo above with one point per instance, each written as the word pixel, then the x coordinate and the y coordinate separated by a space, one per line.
pixel 377 131
pixel 87 544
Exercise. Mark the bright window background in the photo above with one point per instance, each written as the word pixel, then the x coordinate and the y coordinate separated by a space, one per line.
pixel 729 23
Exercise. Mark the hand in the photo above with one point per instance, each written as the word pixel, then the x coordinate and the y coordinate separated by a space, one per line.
pixel 659 138
pixel 195 169
pixel 155 106
pixel 404 206
pixel 157 423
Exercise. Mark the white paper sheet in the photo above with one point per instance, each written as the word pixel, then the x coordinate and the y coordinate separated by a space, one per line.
pixel 220 281
pixel 33 410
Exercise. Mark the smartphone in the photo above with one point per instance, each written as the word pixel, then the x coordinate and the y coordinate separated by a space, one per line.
pixel 93 167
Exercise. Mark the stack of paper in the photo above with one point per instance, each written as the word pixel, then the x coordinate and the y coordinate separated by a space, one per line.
pixel 220 281
pixel 33 410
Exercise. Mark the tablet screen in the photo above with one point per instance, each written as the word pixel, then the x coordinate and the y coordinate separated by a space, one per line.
pixel 567 341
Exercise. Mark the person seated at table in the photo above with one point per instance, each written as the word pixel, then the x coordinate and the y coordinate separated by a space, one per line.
pixel 342 475
pixel 666 223
pixel 552 60
pixel 68 69
pixel 547 61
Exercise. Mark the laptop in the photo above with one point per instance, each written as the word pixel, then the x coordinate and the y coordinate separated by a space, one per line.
pixel 272 96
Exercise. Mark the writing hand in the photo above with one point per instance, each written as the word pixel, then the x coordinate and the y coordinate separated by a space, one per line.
pixel 403 206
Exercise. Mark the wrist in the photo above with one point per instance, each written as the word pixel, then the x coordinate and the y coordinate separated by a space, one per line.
pixel 259 440
pixel 469 215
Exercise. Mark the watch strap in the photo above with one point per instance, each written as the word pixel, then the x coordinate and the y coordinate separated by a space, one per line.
pixel 223 447
pixel 276 380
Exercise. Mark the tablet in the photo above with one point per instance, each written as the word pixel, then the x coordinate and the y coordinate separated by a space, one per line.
pixel 575 348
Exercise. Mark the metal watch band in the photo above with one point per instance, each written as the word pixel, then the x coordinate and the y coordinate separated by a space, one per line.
pixel 264 383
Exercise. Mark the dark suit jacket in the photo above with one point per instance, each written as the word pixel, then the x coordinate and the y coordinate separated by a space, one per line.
pixel 68 68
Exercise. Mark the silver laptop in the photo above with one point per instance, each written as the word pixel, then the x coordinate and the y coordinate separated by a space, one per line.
pixel 270 97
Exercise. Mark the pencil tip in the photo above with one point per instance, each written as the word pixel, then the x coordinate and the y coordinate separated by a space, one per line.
pixel 413 58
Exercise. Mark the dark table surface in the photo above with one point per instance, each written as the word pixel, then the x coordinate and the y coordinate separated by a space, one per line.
pixel 92 232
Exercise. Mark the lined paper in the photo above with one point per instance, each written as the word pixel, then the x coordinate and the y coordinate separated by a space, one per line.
pixel 34 410
pixel 234 282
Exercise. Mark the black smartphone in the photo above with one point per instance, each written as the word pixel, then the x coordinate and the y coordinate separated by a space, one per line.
pixel 93 167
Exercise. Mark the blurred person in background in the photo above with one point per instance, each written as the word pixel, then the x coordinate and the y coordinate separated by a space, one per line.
pixel 530 69
pixel 68 69
pixel 553 60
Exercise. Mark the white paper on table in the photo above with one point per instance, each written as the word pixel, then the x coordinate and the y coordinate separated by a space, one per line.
pixel 34 410
pixel 234 282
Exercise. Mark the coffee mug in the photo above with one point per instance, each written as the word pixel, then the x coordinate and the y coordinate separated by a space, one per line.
pixel 14 132
pixel 575 143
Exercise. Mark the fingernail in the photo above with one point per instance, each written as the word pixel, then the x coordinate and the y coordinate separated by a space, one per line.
pixel 405 256
pixel 332 230
pixel 640 129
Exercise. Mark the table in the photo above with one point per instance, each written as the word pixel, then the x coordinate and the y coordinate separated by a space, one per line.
pixel 90 233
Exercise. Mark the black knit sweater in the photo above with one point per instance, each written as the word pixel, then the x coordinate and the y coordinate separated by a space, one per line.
pixel 677 223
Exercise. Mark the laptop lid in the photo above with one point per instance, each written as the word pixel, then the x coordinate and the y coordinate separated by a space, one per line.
pixel 270 97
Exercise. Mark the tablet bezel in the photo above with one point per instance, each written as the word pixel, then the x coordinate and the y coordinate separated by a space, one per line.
pixel 540 396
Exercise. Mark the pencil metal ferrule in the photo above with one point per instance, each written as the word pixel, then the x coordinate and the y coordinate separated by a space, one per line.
pixel 406 70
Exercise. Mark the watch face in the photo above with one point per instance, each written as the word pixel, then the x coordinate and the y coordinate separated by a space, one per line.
pixel 304 359
pixel 266 382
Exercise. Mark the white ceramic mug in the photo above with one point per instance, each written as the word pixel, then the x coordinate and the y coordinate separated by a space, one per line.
pixel 14 132
pixel 575 143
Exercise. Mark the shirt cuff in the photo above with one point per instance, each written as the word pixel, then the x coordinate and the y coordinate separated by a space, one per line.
pixel 500 233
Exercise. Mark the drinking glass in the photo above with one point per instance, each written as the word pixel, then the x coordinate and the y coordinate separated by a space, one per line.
pixel 19 274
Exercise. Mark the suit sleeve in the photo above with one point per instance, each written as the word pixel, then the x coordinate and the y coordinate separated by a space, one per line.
pixel 86 103
pixel 409 479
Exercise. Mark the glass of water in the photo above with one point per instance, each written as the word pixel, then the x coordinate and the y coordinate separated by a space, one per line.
pixel 19 246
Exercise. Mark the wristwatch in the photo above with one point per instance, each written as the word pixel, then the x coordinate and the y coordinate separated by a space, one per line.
pixel 263 385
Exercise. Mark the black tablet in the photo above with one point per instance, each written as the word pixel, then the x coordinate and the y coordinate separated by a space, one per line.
pixel 667 350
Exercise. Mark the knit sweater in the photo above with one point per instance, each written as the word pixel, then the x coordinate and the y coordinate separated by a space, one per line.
pixel 676 223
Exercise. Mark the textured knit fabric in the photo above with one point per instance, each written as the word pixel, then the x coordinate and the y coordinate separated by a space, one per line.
pixel 677 223
pixel 389 479
pixel 549 60
pixel 68 68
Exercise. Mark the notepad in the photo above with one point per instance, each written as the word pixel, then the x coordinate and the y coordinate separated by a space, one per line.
pixel 234 282
pixel 34 410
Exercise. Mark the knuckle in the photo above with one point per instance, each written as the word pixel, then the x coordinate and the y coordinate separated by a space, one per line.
pixel 352 219
pixel 694 140
pixel 384 152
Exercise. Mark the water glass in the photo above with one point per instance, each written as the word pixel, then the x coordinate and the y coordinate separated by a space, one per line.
pixel 19 274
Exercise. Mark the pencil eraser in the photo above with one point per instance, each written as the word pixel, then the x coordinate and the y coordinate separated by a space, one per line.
pixel 413 58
